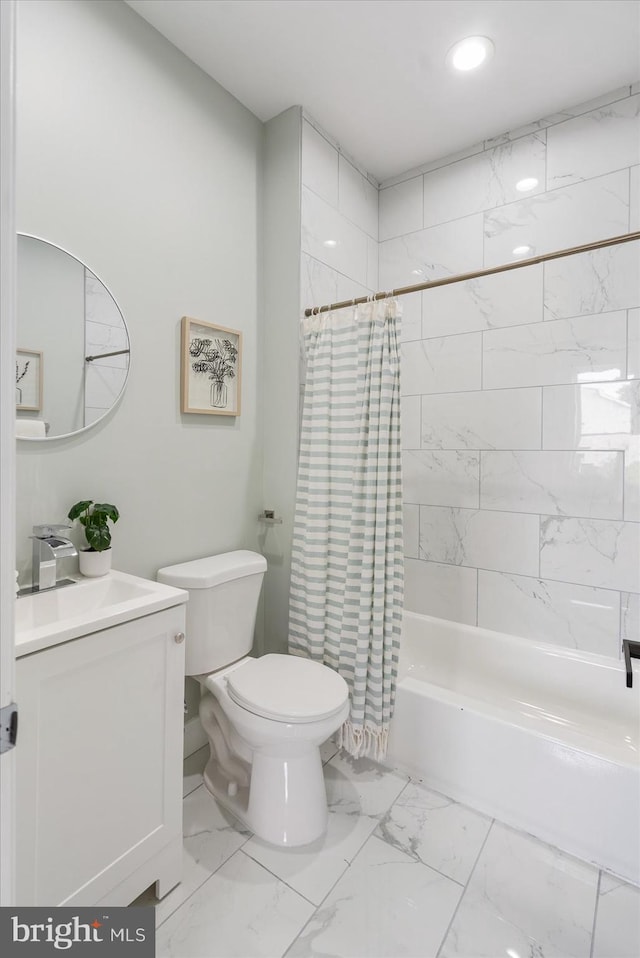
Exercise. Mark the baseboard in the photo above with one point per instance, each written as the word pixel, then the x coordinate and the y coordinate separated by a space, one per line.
pixel 194 736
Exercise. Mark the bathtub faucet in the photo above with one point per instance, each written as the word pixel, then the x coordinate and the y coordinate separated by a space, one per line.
pixel 631 651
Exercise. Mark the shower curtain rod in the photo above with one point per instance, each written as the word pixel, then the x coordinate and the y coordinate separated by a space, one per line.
pixel 461 277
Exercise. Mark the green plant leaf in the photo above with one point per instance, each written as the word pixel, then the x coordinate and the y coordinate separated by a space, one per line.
pixel 75 511
pixel 105 509
pixel 98 536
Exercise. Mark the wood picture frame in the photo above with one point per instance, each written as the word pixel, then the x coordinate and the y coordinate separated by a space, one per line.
pixel 29 380
pixel 211 367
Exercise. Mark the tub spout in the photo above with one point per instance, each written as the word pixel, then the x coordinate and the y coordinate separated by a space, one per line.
pixel 631 651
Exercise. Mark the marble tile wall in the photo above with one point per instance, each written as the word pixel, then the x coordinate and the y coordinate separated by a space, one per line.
pixel 521 391
pixel 104 332
pixel 339 256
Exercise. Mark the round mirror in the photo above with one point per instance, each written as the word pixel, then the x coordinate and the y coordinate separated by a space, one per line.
pixel 72 358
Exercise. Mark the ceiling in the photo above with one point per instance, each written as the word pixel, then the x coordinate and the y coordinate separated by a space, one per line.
pixel 372 73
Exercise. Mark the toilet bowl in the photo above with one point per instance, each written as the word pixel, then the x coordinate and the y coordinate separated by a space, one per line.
pixel 265 717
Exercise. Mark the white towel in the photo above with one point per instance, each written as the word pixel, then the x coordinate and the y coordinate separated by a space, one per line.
pixel 30 429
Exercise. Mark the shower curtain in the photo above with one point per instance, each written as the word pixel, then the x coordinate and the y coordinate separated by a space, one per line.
pixel 347 560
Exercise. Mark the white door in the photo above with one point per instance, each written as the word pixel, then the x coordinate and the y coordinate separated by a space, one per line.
pixel 7 434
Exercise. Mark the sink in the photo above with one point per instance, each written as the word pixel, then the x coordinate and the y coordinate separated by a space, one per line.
pixel 88 605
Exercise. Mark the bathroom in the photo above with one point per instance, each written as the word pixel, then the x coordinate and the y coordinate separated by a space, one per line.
pixel 185 203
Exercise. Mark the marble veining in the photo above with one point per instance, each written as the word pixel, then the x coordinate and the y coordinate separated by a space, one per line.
pixel 598 282
pixel 441 478
pixel 483 181
pixel 566 483
pixel 574 616
pixel 515 882
pixel 558 351
pixel 501 541
pixel 490 419
pixel 591 552
pixel 489 302
pixel 561 218
pixel 435 830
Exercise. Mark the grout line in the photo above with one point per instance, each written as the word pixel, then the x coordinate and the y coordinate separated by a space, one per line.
pixel 464 891
pixel 278 878
pixel 595 913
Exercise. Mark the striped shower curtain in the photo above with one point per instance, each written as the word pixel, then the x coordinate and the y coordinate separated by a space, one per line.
pixel 347 560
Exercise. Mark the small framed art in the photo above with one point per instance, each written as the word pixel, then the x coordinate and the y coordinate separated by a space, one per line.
pixel 211 368
pixel 29 380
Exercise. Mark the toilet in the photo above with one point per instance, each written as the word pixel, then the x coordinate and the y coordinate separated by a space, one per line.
pixel 265 717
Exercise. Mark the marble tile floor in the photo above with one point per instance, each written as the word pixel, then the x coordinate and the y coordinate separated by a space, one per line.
pixel 402 871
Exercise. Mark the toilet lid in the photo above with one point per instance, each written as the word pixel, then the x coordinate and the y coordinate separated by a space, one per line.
pixel 287 688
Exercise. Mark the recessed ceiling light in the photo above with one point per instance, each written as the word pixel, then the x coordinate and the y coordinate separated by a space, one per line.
pixel 527 184
pixel 330 243
pixel 522 250
pixel 469 53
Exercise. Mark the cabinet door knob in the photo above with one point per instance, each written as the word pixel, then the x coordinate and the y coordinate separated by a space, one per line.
pixel 179 637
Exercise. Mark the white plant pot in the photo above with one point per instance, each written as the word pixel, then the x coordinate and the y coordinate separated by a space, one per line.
pixel 93 564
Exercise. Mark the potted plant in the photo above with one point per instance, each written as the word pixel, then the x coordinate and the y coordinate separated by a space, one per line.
pixel 94 517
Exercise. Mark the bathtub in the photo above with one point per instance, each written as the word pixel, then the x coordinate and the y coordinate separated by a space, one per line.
pixel 540 737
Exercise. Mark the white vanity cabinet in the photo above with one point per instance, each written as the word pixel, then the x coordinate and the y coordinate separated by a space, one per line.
pixel 99 763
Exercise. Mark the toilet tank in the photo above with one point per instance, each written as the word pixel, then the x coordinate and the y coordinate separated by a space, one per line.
pixel 221 611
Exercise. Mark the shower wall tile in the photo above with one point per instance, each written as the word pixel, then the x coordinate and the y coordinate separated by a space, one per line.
pixel 411 530
pixel 558 351
pixel 593 552
pixel 103 385
pixel 411 325
pixel 318 282
pixel 632 480
pixel 621 93
pixel 634 199
pixel 505 299
pixel 630 616
pixel 401 208
pixel 349 289
pixel 322 223
pixel 100 306
pixel 451 363
pixel 446 591
pixel 491 419
pixel 372 264
pixel 562 483
pixel 591 416
pixel 441 477
pixel 575 616
pixel 410 422
pixel 429 254
pixel 357 198
pixel 566 217
pixel 598 416
pixel 499 541
pixel 599 282
pixel 319 164
pixel 633 331
pixel 102 338
pixel 483 181
pixel 594 143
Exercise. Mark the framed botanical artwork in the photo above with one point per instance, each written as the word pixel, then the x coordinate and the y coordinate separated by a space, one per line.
pixel 28 380
pixel 211 368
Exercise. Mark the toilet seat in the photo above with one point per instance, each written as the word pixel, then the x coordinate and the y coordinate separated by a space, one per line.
pixel 287 688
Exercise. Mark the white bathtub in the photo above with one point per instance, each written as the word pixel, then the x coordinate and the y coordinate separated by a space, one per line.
pixel 540 737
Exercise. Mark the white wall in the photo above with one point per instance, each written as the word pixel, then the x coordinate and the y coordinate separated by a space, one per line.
pixel 146 169
pixel 279 357
pixel 521 408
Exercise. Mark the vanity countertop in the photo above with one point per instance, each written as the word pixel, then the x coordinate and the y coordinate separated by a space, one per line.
pixel 89 605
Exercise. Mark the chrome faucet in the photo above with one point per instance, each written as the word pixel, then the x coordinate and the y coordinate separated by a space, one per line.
pixel 48 547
